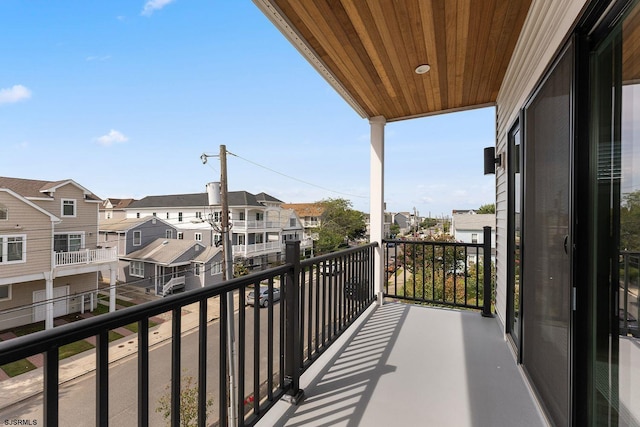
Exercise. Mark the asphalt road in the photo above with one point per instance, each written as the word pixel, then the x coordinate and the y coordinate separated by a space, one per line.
pixel 77 398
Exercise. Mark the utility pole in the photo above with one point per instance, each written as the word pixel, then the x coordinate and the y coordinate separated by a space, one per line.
pixel 227 274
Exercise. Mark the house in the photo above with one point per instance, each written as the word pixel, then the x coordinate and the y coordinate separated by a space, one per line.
pixel 469 228
pixel 402 220
pixel 49 253
pixel 131 234
pixel 310 215
pixel 563 78
pixel 255 218
pixel 114 208
pixel 170 265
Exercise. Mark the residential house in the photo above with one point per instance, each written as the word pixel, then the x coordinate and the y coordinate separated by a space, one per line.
pixel 469 228
pixel 563 77
pixel 255 218
pixel 131 234
pixel 167 266
pixel 114 208
pixel 310 215
pixel 402 220
pixel 49 253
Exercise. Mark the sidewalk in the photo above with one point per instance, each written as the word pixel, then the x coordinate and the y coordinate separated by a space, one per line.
pixel 29 384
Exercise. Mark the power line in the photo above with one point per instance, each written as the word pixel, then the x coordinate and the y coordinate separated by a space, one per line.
pixel 296 179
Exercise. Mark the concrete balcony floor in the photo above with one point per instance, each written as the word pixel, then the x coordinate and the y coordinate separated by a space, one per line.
pixel 408 365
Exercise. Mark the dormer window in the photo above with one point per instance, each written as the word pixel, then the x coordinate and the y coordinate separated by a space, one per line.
pixel 69 207
pixel 4 212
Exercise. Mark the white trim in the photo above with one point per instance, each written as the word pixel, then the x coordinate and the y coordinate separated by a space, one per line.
pixel 75 208
pixel 131 269
pixel 197 237
pixel 30 203
pixel 139 237
pixel 5 248
pixel 4 208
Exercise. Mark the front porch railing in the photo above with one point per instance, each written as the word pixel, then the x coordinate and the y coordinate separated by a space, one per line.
pixel 440 272
pixel 274 345
pixel 86 256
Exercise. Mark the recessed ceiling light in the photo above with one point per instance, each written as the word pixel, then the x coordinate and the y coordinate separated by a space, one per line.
pixel 421 69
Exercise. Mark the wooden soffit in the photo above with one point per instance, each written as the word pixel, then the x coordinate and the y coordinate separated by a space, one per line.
pixel 368 50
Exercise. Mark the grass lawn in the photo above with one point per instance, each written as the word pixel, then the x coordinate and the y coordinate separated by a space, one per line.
pixel 73 348
pixel 18 367
pixel 113 335
pixel 133 327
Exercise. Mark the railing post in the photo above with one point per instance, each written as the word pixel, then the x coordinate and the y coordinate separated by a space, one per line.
pixel 486 261
pixel 292 352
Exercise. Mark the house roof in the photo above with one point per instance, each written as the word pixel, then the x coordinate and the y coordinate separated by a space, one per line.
pixel 472 222
pixel 118 203
pixel 368 50
pixel 235 198
pixel 124 224
pixel 163 251
pixel 33 188
pixel 305 209
pixel 208 253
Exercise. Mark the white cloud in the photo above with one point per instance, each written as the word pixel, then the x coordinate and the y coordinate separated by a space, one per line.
pixel 14 94
pixel 153 5
pixel 112 137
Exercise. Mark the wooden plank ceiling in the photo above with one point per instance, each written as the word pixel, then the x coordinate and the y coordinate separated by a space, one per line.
pixel 369 49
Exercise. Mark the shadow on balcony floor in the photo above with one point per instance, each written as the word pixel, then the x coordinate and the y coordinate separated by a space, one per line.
pixel 411 365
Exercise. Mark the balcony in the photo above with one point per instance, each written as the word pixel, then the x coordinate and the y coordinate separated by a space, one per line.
pixel 356 362
pixel 243 225
pixel 86 256
pixel 257 249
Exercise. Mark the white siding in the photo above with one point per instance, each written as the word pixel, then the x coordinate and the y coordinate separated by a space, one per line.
pixel 545 30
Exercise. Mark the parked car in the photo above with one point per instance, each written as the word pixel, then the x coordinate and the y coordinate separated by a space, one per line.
pixel 263 296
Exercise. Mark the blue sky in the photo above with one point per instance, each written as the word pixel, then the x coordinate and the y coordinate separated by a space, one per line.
pixel 123 96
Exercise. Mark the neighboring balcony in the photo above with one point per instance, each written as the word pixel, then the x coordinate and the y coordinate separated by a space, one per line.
pixel 257 249
pixel 86 256
pixel 255 225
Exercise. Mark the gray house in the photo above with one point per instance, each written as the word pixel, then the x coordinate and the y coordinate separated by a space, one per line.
pixel 168 266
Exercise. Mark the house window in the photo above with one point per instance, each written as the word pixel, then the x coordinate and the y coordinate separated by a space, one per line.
pixel 179 216
pixel 169 234
pixel 198 237
pixel 137 238
pixel 67 242
pixel 4 212
pixel 180 235
pixel 196 269
pixel 241 216
pixel 217 240
pixel 155 214
pixel 13 249
pixel 216 268
pixel 136 268
pixel 217 216
pixel 259 216
pixel 474 237
pixel 199 215
pixel 68 207
pixel 292 222
pixel 167 215
pixel 5 292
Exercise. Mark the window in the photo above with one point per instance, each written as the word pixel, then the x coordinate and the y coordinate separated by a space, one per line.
pixel 67 242
pixel 169 234
pixel 180 235
pixel 136 268
pixel 474 237
pixel 259 216
pixel 167 215
pixel 137 238
pixel 13 249
pixel 217 240
pixel 4 212
pixel 198 237
pixel 241 216
pixel 216 268
pixel 217 216
pixel 155 214
pixel 5 292
pixel 179 216
pixel 292 222
pixel 199 215
pixel 196 269
pixel 68 207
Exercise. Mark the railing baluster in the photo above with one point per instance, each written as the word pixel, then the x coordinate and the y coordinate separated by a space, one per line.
pixel 270 338
pixel 175 365
pixel 202 363
pixel 223 409
pixel 143 372
pixel 102 378
pixel 51 377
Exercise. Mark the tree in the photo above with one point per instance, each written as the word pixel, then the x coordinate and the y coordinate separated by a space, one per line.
pixel 338 224
pixel 630 222
pixel 188 403
pixel 489 208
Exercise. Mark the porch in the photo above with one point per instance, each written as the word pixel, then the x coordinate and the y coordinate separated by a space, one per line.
pixel 404 364
pixel 86 256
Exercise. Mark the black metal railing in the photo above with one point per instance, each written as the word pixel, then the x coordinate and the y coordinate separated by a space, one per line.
pixel 629 301
pixel 440 272
pixel 274 345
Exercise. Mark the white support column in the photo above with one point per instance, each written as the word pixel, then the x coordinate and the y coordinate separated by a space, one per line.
pixel 376 189
pixel 112 290
pixel 48 297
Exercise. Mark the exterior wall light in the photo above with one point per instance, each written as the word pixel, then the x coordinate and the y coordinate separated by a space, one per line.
pixel 491 161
